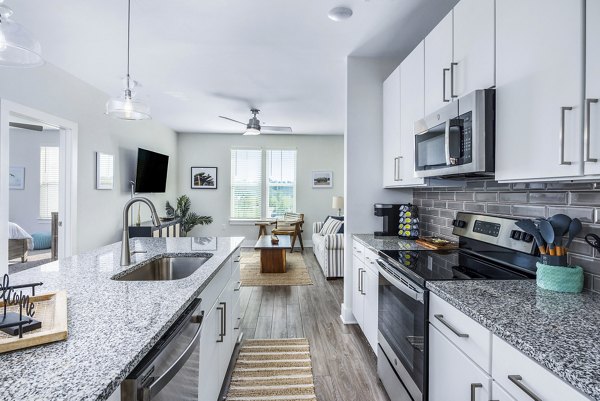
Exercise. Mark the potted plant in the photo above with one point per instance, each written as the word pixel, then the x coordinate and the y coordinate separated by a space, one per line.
pixel 189 219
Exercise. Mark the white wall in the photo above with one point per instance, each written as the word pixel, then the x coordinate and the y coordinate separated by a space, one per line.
pixel 314 152
pixel 52 90
pixel 363 149
pixel 24 205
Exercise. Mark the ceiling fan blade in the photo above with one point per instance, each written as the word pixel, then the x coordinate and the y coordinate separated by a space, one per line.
pixel 231 119
pixel 275 129
pixel 31 127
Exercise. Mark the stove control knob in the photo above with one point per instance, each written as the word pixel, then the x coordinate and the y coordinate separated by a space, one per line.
pixel 516 235
pixel 459 223
pixel 527 237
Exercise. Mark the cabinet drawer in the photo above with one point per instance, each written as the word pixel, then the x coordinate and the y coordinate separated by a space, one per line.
pixel 469 336
pixel 519 374
pixel 358 250
pixel 370 260
pixel 212 291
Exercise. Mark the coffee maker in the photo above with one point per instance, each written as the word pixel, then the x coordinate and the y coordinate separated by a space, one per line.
pixel 391 218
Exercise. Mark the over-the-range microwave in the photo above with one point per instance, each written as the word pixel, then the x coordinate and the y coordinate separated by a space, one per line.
pixel 458 140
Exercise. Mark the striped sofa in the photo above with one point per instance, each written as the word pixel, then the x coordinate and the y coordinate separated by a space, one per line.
pixel 329 251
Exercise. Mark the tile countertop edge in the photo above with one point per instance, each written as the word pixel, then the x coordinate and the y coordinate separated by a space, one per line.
pixel 515 340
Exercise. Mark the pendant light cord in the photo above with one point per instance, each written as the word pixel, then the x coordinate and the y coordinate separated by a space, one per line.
pixel 128 39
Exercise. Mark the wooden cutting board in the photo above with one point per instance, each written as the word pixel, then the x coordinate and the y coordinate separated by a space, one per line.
pixel 429 242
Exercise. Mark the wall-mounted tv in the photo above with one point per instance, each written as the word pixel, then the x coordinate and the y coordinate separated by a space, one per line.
pixel 151 175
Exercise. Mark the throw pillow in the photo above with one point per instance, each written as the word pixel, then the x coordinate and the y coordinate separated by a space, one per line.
pixel 331 226
pixel 340 218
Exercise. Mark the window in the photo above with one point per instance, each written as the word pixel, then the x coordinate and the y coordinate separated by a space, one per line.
pixel 246 183
pixel 281 182
pixel 258 175
pixel 49 167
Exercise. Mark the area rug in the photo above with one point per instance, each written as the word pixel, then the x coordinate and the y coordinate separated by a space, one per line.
pixel 296 271
pixel 35 258
pixel 273 370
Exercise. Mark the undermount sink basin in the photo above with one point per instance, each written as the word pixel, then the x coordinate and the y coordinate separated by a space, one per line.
pixel 165 269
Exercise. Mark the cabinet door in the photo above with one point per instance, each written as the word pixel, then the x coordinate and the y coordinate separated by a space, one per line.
pixel 453 376
pixel 371 306
pixel 499 394
pixel 592 90
pixel 412 100
pixel 539 66
pixel 474 46
pixel 438 59
pixel 357 297
pixel 226 344
pixel 210 380
pixel 391 129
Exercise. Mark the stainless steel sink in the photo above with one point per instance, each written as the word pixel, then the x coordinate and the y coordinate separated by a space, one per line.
pixel 165 269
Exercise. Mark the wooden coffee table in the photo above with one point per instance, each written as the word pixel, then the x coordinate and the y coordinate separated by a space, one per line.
pixel 272 256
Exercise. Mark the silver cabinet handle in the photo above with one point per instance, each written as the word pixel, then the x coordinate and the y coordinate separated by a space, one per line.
pixel 452 65
pixel 516 379
pixel 362 287
pixel 223 309
pixel 396 162
pixel 238 286
pixel 359 277
pixel 475 386
pixel 448 325
pixel 587 131
pixel 561 137
pixel 444 71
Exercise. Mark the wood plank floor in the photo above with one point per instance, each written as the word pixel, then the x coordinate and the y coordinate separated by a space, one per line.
pixel 344 365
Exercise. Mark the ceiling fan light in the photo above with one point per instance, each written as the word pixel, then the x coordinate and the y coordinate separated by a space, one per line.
pixel 126 108
pixel 252 131
pixel 17 47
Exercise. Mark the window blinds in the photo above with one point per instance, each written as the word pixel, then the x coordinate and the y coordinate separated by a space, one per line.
pixel 49 179
pixel 246 183
pixel 281 182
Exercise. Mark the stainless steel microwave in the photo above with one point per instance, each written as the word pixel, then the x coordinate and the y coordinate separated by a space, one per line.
pixel 458 140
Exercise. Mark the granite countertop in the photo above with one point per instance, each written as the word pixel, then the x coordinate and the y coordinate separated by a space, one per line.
pixel 559 331
pixel 112 324
pixel 391 243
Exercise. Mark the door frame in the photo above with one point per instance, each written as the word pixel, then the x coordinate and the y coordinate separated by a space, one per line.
pixel 69 131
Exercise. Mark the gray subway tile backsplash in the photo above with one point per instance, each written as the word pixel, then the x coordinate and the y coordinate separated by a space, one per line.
pixel 439 206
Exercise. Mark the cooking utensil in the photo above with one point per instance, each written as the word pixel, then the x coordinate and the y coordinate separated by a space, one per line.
pixel 593 240
pixel 547 232
pixel 530 228
pixel 560 224
pixel 574 229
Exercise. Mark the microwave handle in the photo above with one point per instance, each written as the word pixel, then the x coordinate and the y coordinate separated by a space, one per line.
pixel 447 143
pixel 416 295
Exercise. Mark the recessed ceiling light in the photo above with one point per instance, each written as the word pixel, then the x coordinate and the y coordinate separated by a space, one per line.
pixel 340 13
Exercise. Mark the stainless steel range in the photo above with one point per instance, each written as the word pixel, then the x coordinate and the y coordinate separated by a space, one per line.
pixel 490 247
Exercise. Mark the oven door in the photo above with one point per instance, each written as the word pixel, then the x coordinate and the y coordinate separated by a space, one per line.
pixel 402 331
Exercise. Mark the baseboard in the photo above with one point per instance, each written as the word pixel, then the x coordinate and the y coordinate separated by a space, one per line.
pixel 347 316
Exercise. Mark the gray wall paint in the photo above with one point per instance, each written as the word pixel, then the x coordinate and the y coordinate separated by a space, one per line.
pixel 318 152
pixel 52 90
pixel 438 207
pixel 24 205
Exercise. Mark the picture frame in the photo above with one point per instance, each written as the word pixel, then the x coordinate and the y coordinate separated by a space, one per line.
pixel 322 179
pixel 204 178
pixel 104 171
pixel 16 178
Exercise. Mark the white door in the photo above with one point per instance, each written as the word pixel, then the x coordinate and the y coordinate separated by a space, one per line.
pixel 452 375
pixel 499 394
pixel 371 306
pixel 539 81
pixel 391 129
pixel 357 297
pixel 210 384
pixel 438 60
pixel 474 46
pixel 412 99
pixel 592 89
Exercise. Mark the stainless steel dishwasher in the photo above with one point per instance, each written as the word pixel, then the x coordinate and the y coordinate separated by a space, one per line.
pixel 170 370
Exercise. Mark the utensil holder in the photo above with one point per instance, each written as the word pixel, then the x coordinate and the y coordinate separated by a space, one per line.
pixel 554 260
pixel 559 278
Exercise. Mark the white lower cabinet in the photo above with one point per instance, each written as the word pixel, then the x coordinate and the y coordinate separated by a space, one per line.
pixel 452 375
pixel 358 300
pixel 371 305
pixel 499 394
pixel 365 292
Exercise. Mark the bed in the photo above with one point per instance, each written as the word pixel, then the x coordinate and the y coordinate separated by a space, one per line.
pixel 19 242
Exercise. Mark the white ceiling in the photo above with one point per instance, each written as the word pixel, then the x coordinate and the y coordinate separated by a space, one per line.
pixel 199 59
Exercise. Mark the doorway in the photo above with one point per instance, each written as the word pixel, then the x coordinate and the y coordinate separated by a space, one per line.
pixel 38 187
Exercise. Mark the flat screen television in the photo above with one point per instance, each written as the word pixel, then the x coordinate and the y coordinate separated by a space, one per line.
pixel 151 175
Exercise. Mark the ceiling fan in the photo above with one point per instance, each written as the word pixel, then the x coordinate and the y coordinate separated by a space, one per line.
pixel 254 128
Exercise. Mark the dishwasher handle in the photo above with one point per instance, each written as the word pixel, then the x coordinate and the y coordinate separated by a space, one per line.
pixel 149 392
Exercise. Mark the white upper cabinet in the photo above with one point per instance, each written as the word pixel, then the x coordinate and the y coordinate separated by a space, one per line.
pixel 474 47
pixel 391 130
pixel 539 96
pixel 438 60
pixel 412 100
pixel 592 90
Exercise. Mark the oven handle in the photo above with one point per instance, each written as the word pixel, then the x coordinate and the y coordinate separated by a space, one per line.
pixel 149 392
pixel 383 267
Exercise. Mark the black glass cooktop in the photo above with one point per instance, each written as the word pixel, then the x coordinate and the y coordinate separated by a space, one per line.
pixel 422 266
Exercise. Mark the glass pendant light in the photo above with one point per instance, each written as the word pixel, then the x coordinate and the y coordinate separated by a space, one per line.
pixel 126 107
pixel 17 47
